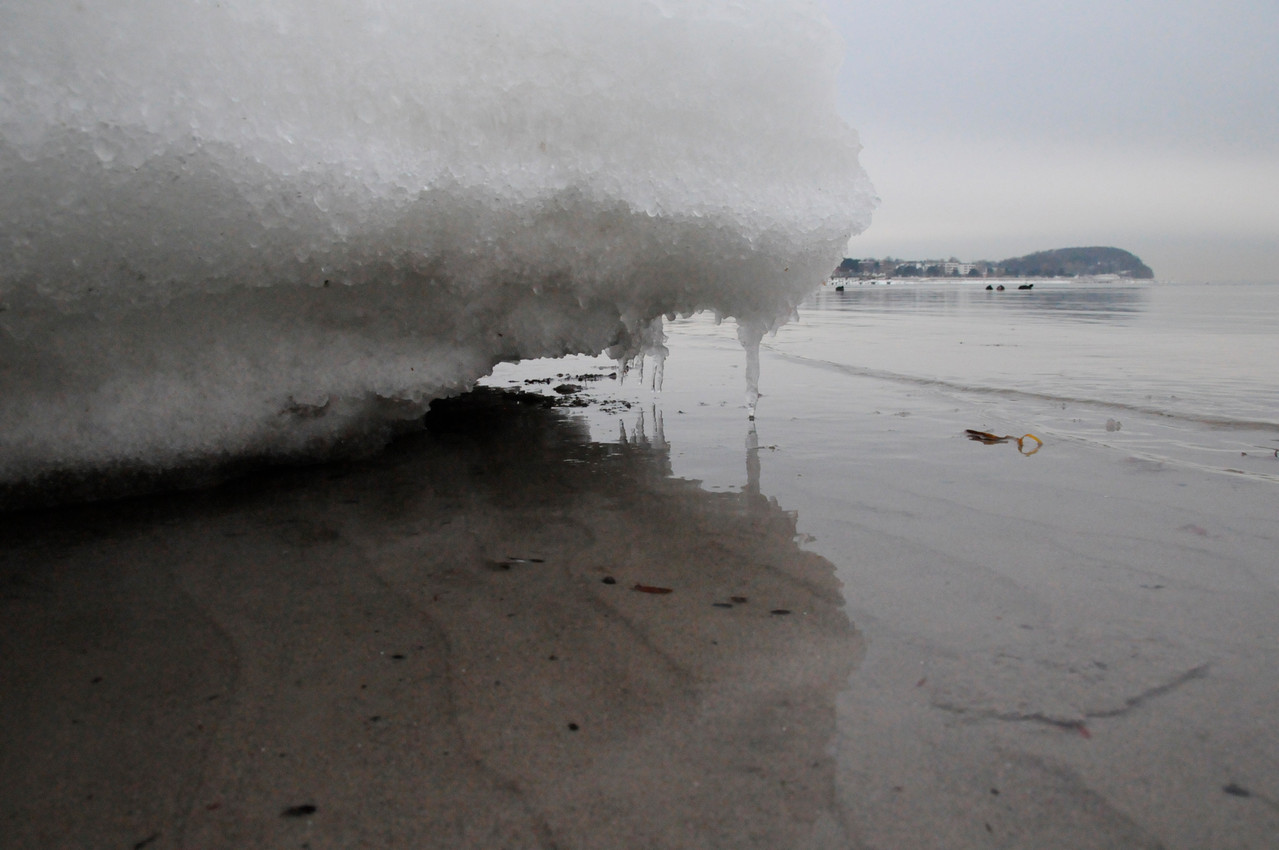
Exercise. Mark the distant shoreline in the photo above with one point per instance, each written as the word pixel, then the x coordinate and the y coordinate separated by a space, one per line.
pixel 980 282
pixel 1096 261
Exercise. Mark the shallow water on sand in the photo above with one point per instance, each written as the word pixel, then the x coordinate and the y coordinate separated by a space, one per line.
pixel 1066 648
pixel 1169 373
pixel 983 647
pixel 497 634
pixel 1176 373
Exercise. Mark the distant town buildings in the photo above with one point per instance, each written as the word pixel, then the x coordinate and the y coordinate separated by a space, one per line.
pixel 889 267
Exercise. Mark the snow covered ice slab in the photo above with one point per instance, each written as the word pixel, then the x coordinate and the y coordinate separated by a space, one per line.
pixel 238 229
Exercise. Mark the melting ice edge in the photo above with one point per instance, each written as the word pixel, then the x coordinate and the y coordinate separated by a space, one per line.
pixel 238 233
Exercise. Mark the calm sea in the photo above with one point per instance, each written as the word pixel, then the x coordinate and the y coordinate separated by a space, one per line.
pixel 1176 374
pixel 1206 352
pixel 1182 373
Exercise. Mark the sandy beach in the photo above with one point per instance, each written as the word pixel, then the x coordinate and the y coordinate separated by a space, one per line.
pixel 495 635
pixel 319 529
pixel 644 622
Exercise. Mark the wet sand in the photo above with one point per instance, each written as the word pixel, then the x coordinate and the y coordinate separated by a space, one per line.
pixel 444 646
pixel 465 642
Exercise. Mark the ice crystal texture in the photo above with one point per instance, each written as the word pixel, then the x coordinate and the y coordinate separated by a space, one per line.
pixel 234 229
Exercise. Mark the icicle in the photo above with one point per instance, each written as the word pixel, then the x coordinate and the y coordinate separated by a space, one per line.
pixel 659 368
pixel 652 343
pixel 655 347
pixel 750 334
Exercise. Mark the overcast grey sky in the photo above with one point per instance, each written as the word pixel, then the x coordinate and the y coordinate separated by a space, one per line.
pixel 993 129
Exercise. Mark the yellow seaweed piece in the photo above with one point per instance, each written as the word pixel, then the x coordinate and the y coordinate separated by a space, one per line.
pixel 991 439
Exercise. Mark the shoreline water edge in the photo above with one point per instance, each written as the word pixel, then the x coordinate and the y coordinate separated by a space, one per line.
pixel 641 615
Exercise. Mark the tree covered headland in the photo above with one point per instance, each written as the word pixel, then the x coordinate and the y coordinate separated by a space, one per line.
pixel 1072 262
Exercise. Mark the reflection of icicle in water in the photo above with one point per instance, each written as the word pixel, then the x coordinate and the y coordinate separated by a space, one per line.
pixel 751 334
pixel 752 462
pixel 638 435
pixel 658 440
